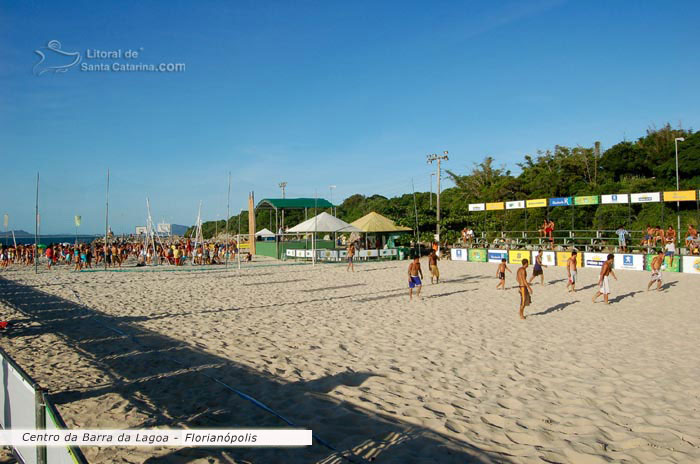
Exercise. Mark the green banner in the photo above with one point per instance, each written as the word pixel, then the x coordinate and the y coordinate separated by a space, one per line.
pixel 479 255
pixel 674 266
pixel 587 200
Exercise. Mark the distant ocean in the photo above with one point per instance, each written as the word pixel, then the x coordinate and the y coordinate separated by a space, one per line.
pixel 47 239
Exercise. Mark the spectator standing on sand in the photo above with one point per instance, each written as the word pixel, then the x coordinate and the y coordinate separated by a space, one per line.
pixel 433 265
pixel 604 280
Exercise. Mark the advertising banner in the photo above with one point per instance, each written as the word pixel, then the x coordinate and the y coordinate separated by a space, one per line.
pixel 477 207
pixel 301 253
pixel 629 261
pixel 668 266
pixel 549 258
pixel 519 204
pixel 615 199
pixel 563 257
pixel 495 256
pixel 691 264
pixel 646 197
pixel 327 254
pixel 369 253
pixel 458 254
pixel 594 259
pixel 479 255
pixel 539 203
pixel 388 252
pixel 586 200
pixel 517 256
pixel 494 206
pixel 681 195
pixel 291 253
pixel 560 201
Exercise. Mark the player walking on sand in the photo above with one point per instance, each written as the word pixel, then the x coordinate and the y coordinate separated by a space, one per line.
pixel 501 274
pixel 571 271
pixel 604 279
pixel 537 270
pixel 433 265
pixel 414 281
pixel 524 288
pixel 656 264
pixel 351 256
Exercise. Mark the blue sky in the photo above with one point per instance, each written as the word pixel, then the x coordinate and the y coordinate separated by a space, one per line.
pixel 352 94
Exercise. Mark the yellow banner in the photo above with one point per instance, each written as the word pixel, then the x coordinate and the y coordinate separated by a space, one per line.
pixel 563 257
pixel 495 206
pixel 539 203
pixel 517 256
pixel 681 195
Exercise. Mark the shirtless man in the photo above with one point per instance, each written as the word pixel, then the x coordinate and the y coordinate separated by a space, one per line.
pixel 432 264
pixel 351 256
pixel 524 288
pixel 659 235
pixel 656 264
pixel 537 271
pixel 501 274
pixel 603 280
pixel 414 271
pixel 571 271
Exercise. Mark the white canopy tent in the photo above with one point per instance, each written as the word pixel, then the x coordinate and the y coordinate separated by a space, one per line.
pixel 264 233
pixel 323 222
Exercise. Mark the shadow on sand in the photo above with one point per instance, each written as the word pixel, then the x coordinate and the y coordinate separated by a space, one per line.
pixel 174 384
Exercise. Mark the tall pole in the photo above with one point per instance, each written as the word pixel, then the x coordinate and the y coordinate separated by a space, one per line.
pixel 36 228
pixel 283 186
pixel 238 255
pixel 678 184
pixel 438 158
pixel 228 214
pixel 107 222
pixel 415 208
pixel 331 187
pixel 432 174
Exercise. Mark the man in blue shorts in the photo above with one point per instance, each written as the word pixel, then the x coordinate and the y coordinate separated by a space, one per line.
pixel 414 281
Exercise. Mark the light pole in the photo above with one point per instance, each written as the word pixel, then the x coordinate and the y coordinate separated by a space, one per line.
pixel 432 174
pixel 331 187
pixel 283 186
pixel 430 159
pixel 678 185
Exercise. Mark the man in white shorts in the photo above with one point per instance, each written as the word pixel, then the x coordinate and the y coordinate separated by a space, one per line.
pixel 571 271
pixel 603 280
pixel 656 264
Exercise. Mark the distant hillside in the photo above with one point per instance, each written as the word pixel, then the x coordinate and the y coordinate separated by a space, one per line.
pixel 18 233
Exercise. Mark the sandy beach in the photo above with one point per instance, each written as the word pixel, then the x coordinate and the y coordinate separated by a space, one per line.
pixel 453 377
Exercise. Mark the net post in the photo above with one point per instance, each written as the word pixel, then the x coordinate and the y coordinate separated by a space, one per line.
pixel 40 414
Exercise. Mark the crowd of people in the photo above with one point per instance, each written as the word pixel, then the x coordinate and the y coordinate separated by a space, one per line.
pixel 86 255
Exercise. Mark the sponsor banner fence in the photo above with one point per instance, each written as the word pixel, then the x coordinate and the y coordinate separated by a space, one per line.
pixel 479 255
pixel 538 203
pixel 563 257
pixel 477 206
pixel 517 256
pixel 633 262
pixel 615 199
pixel 671 265
pixel 560 201
pixel 681 195
pixel 549 258
pixel 495 256
pixel 594 259
pixel 691 264
pixel 458 254
pixel 388 253
pixel 494 206
pixel 327 254
pixel 291 253
pixel 586 200
pixel 369 253
pixel 650 197
pixel 519 204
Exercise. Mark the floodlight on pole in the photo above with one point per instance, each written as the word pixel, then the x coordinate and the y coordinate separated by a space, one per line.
pixel 678 185
pixel 331 187
pixel 283 186
pixel 430 158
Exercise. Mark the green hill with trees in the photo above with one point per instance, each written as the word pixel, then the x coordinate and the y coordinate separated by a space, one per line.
pixel 644 165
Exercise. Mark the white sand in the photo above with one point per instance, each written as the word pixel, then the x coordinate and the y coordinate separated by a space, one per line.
pixel 454 377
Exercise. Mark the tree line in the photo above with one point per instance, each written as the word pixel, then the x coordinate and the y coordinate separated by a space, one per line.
pixel 645 165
